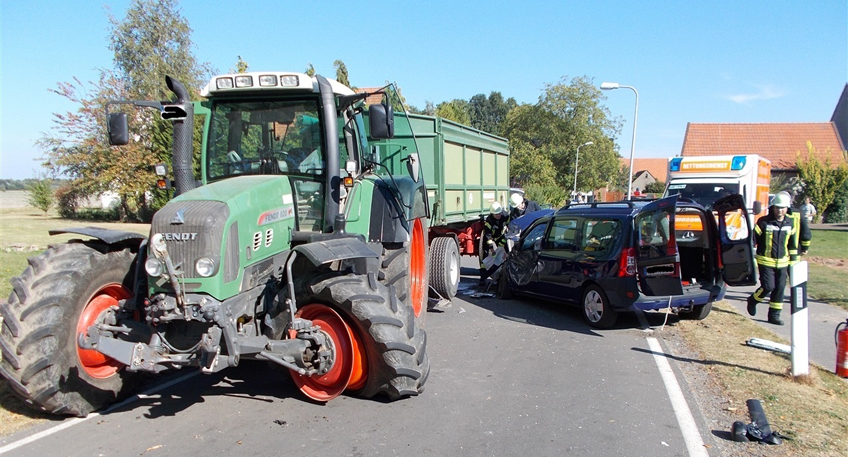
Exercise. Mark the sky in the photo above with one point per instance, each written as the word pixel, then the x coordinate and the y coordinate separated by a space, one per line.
pixel 702 61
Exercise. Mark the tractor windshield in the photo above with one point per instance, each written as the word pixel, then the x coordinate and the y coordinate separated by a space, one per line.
pixel 264 137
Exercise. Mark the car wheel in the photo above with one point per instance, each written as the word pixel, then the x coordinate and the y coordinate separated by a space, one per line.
pixel 596 308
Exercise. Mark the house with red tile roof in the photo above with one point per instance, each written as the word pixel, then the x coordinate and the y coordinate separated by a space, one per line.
pixel 782 143
pixel 373 99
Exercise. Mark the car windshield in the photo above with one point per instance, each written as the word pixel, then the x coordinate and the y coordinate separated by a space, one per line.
pixel 704 194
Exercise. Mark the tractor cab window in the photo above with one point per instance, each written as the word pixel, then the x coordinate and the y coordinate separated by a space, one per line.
pixel 267 137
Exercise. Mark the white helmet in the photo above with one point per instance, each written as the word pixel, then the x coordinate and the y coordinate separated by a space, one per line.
pixel 515 200
pixel 496 208
pixel 782 200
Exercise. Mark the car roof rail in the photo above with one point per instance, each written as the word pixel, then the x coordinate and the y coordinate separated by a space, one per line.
pixel 593 205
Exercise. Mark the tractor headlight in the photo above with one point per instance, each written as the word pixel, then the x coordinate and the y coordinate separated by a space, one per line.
pixel 153 266
pixel 204 267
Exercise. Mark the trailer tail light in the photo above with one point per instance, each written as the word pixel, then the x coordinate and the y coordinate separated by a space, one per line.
pixel 627 263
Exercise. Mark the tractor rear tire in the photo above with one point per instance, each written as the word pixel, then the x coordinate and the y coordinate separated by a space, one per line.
pixel 444 266
pixel 41 358
pixel 404 267
pixel 393 345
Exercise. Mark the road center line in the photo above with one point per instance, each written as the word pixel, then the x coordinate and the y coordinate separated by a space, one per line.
pixel 691 435
pixel 79 420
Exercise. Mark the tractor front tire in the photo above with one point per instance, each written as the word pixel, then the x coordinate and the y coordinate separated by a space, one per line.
pixel 404 267
pixel 64 289
pixel 393 346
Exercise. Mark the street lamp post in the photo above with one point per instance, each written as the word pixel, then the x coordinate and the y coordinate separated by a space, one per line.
pixel 611 86
pixel 576 159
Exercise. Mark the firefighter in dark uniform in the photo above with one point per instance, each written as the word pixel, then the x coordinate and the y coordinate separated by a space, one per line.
pixel 520 206
pixel 779 237
pixel 494 236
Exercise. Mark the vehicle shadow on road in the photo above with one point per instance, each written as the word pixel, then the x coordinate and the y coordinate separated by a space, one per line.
pixel 254 380
pixel 553 315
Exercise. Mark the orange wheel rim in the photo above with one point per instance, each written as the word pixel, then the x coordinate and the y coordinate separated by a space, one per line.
pixel 94 363
pixel 359 373
pixel 331 384
pixel 417 267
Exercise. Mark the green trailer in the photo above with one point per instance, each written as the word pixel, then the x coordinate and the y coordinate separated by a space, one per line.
pixel 465 170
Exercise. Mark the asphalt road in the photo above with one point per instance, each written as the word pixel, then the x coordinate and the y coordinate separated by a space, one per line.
pixel 508 378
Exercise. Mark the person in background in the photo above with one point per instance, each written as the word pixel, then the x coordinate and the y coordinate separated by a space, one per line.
pixel 494 236
pixel 521 205
pixel 808 211
pixel 778 237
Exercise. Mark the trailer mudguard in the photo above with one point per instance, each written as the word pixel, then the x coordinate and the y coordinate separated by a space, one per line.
pixel 106 235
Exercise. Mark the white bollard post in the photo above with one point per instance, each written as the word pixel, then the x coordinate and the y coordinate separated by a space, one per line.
pixel 800 319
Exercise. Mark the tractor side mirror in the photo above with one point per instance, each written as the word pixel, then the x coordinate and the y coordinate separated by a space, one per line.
pixel 117 128
pixel 758 207
pixel 382 121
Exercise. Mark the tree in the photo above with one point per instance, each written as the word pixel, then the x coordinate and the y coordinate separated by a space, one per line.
pixel 40 194
pixel 656 187
pixel 341 73
pixel 489 114
pixel 821 180
pixel 455 110
pixel 150 42
pixel 241 66
pixel 566 116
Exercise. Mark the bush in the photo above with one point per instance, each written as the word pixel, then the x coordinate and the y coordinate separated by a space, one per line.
pixel 68 201
pixel 40 194
pixel 837 211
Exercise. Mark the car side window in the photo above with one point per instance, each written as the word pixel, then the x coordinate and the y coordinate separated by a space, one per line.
pixel 599 235
pixel 535 234
pixel 563 235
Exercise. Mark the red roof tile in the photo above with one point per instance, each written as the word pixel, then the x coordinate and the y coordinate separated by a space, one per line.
pixel 778 142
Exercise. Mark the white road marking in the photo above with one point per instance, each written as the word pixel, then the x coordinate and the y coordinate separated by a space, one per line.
pixel 79 420
pixel 691 435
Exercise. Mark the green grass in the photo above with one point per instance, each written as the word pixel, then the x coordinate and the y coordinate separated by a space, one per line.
pixel 831 244
pixel 828 285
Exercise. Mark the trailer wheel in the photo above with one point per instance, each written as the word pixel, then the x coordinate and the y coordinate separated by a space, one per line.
pixel 699 312
pixel 63 291
pixel 404 266
pixel 387 342
pixel 596 308
pixel 444 266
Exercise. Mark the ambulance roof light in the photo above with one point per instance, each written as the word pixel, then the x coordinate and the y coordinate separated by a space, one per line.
pixel 738 162
pixel 674 165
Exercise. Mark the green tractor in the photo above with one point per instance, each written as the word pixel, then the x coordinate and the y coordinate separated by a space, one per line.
pixel 298 248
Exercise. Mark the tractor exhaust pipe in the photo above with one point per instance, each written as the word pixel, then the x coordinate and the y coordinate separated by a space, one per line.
pixel 183 139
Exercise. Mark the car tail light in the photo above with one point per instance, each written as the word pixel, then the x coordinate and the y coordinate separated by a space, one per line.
pixel 627 263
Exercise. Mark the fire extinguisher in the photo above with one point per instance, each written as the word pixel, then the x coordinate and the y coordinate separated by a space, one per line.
pixel 841 336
